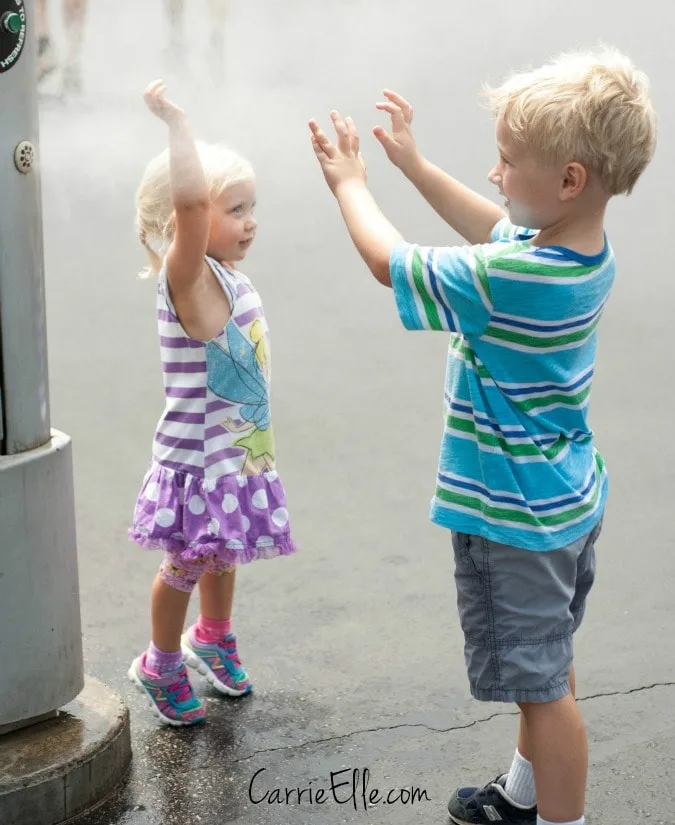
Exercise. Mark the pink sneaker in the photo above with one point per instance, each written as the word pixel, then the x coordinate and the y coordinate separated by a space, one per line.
pixel 171 696
pixel 218 662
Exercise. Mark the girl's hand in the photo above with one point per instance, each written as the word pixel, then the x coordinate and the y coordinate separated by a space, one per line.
pixel 400 144
pixel 343 162
pixel 155 100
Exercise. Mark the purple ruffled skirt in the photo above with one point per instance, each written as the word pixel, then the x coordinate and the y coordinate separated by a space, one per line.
pixel 238 518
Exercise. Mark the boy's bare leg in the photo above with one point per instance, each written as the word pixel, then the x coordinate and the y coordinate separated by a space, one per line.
pixel 555 742
pixel 74 15
pixel 41 19
pixel 175 16
pixel 218 11
pixel 523 744
pixel 218 16
pixel 74 11
pixel 46 59
pixel 175 13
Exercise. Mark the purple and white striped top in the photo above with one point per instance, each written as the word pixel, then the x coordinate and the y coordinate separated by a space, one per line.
pixel 216 419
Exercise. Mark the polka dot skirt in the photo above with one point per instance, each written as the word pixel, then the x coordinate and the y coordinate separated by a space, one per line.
pixel 239 518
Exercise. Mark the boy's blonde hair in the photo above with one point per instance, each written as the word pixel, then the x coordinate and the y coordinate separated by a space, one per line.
pixel 154 207
pixel 591 107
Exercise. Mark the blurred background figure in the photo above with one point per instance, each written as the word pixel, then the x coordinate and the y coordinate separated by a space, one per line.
pixel 177 48
pixel 74 13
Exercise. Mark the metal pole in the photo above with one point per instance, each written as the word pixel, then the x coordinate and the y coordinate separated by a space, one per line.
pixel 40 636
pixel 22 309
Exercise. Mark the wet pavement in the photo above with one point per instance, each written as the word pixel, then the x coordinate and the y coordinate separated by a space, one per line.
pixel 353 645
pixel 211 776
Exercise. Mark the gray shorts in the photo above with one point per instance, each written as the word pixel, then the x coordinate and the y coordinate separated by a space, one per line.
pixel 518 610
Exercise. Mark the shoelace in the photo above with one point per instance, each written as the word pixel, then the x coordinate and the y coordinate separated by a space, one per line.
pixel 231 652
pixel 181 690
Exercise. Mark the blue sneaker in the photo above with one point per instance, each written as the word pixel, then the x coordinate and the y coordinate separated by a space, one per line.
pixel 485 806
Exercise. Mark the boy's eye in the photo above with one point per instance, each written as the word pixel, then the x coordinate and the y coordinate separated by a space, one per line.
pixel 238 209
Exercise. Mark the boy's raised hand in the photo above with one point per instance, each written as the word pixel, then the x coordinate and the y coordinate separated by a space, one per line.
pixel 341 162
pixel 155 100
pixel 400 144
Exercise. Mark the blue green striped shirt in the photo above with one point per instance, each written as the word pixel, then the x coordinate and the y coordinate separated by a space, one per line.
pixel 517 462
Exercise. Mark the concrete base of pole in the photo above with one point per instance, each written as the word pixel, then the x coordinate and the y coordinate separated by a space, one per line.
pixel 26 723
pixel 41 639
pixel 57 769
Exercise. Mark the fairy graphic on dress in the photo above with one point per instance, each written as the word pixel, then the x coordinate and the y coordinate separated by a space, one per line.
pixel 238 376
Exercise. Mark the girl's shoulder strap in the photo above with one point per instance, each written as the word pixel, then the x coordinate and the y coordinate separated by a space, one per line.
pixel 244 283
pixel 245 279
pixel 161 276
pixel 164 301
pixel 227 279
pixel 163 283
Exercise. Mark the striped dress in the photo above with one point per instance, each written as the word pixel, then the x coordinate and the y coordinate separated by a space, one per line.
pixel 212 487
pixel 518 463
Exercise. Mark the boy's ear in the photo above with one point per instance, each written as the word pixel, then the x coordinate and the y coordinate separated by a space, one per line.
pixel 574 181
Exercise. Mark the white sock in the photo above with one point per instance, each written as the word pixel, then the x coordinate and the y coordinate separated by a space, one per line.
pixel 520 782
pixel 541 821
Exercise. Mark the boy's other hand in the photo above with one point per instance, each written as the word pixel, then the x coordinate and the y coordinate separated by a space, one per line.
pixel 400 144
pixel 341 162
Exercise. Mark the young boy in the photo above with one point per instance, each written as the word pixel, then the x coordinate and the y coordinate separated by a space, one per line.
pixel 520 484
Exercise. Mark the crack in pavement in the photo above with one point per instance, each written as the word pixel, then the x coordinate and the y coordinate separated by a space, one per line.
pixel 627 692
pixel 432 729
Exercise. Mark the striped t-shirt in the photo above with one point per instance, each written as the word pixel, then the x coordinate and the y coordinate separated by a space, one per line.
pixel 517 463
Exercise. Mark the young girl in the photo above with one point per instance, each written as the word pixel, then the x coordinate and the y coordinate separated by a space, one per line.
pixel 211 498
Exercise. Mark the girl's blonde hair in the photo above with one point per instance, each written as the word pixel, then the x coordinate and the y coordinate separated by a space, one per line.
pixel 154 207
pixel 591 107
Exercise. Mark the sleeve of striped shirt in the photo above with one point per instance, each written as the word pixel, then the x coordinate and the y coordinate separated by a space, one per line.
pixel 441 288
